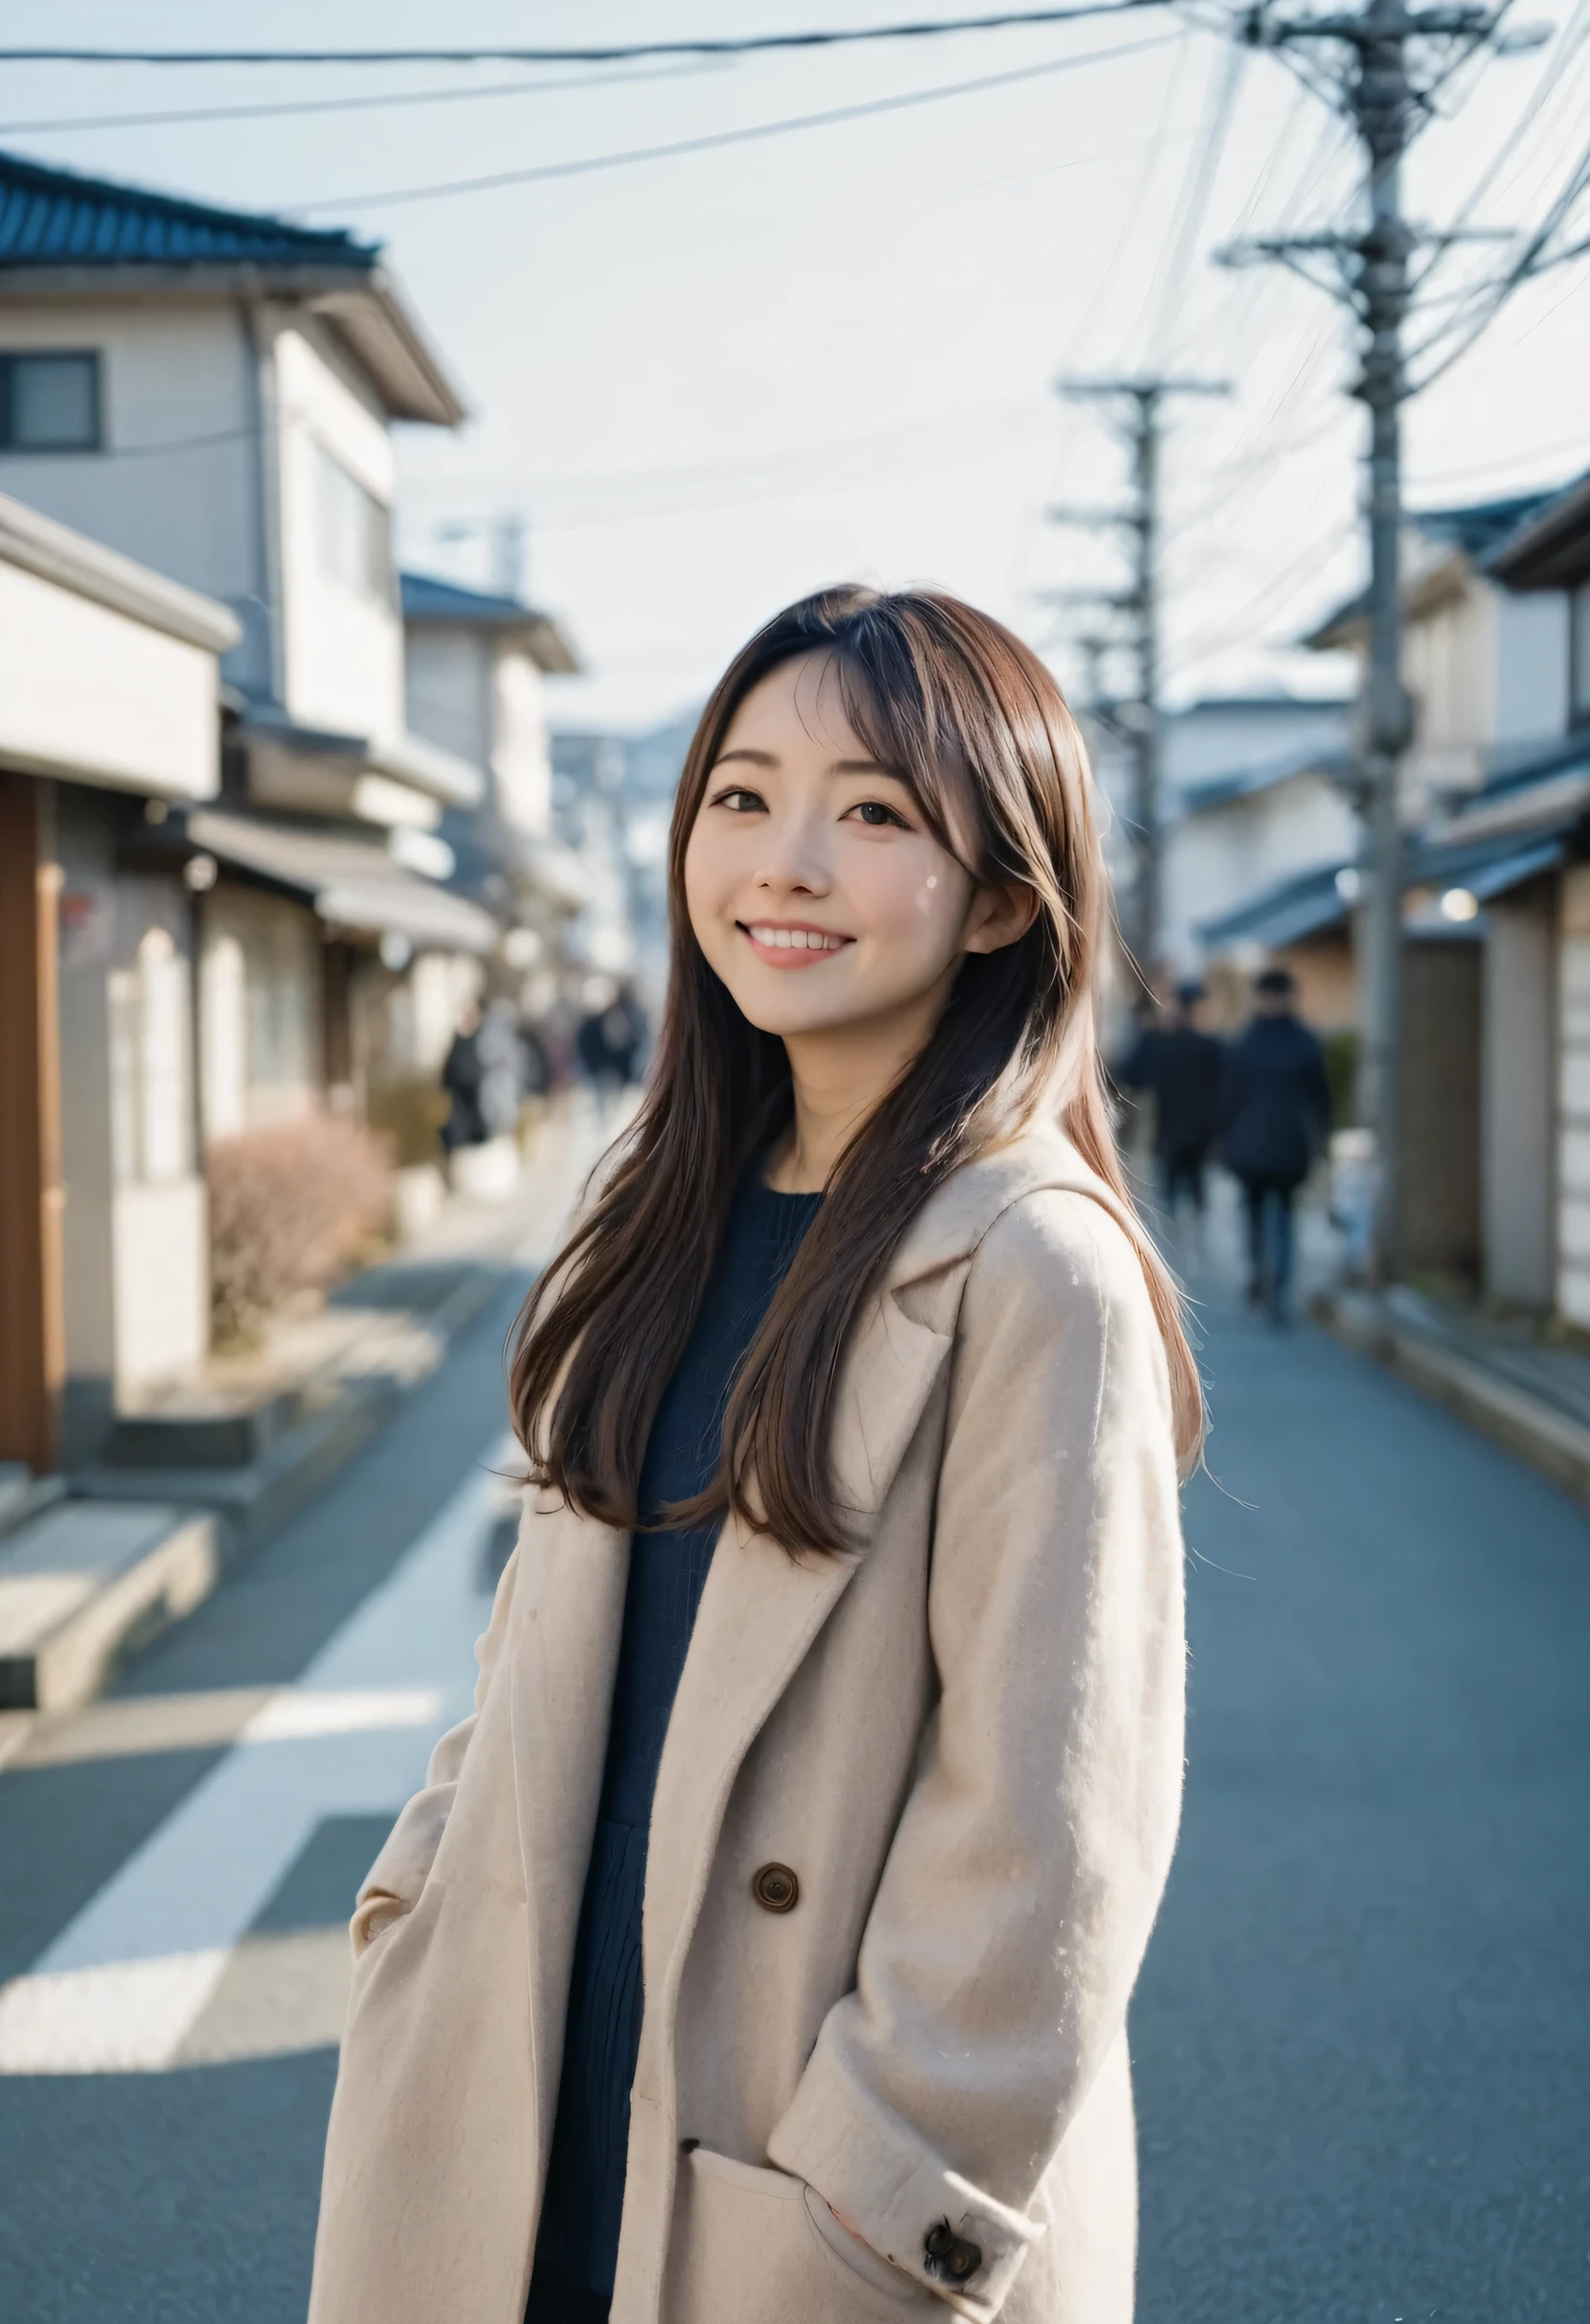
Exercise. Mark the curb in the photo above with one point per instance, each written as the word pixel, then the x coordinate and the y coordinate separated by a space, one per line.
pixel 1548 1440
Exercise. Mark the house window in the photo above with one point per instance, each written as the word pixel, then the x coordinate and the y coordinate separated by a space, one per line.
pixel 151 1070
pixel 355 529
pixel 1579 654
pixel 50 403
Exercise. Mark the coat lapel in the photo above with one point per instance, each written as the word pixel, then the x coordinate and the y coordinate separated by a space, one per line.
pixel 762 1609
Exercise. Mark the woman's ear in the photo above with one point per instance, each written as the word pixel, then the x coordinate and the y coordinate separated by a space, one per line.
pixel 998 916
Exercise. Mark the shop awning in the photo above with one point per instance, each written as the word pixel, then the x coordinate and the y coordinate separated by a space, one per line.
pixel 350 883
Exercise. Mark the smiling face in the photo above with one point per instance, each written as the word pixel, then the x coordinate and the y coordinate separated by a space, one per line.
pixel 814 886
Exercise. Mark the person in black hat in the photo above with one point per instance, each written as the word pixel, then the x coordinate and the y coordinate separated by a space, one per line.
pixel 1184 1068
pixel 1277 1115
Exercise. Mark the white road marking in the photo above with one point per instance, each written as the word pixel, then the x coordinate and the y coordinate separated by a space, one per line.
pixel 125 1981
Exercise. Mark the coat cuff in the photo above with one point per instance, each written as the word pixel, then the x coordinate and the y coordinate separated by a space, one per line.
pixel 907 2202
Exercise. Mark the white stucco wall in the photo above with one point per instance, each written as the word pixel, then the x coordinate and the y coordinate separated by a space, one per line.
pixel 521 758
pixel 342 646
pixel 1219 859
pixel 448 689
pixel 94 695
pixel 1531 666
pixel 175 484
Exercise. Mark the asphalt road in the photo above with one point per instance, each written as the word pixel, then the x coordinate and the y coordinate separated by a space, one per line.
pixel 1362 2036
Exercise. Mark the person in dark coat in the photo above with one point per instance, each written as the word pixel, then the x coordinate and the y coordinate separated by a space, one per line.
pixel 1275 1109
pixel 1184 1068
pixel 461 1076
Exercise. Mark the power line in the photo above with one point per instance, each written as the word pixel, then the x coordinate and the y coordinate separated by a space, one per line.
pixel 1198 186
pixel 390 101
pixel 1492 297
pixel 613 53
pixel 713 140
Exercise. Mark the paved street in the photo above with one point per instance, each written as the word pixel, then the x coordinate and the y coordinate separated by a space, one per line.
pixel 1363 2037
pixel 1363 2040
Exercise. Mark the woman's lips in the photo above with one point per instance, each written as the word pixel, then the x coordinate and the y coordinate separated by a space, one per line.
pixel 783 946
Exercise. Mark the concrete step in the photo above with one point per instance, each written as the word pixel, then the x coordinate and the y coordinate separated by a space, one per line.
pixel 253 1499
pixel 203 1434
pixel 84 1581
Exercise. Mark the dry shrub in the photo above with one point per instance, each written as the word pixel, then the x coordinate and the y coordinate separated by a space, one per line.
pixel 409 1110
pixel 291 1209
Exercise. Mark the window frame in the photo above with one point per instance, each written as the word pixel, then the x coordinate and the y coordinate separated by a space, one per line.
pixel 1579 656
pixel 11 360
pixel 377 580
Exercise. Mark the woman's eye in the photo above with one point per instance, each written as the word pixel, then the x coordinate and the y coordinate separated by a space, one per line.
pixel 741 801
pixel 874 812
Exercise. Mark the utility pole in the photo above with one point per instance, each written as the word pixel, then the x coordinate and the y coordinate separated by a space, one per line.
pixel 1137 406
pixel 1387 102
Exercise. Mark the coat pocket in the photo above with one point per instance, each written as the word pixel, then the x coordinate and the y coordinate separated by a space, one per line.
pixel 757 2247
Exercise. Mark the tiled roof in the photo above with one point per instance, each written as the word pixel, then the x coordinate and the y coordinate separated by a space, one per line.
pixel 1483 525
pixel 56 217
pixel 427 599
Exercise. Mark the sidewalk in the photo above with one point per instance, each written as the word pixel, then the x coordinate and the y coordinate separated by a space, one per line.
pixel 1523 1390
pixel 1504 1377
pixel 94 1565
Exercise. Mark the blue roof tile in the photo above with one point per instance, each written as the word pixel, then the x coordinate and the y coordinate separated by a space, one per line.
pixel 55 217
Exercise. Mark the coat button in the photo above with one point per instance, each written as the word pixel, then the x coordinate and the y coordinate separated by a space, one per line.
pixel 776 1888
pixel 954 2258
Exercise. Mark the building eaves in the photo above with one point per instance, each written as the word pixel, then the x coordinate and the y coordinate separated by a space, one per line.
pixel 62 232
pixel 55 552
pixel 1213 791
pixel 1307 904
pixel 349 883
pixel 431 603
pixel 408 759
pixel 1551 548
pixel 1474 533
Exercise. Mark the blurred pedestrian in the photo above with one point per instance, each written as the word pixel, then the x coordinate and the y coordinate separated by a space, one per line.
pixel 759 1953
pixel 1184 1068
pixel 460 1079
pixel 611 1035
pixel 1275 1109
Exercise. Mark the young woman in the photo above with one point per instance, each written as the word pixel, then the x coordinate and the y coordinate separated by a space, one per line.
pixel 760 1951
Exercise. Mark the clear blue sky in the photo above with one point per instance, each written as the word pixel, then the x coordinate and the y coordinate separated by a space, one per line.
pixel 710 382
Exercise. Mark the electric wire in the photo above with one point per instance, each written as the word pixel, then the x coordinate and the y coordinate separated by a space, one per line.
pixel 749 43
pixel 584 164
pixel 389 101
pixel 1493 296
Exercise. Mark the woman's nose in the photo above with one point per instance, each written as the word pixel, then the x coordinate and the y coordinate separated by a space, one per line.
pixel 796 859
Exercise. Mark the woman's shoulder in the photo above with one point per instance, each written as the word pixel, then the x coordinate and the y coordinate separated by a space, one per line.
pixel 1061 1248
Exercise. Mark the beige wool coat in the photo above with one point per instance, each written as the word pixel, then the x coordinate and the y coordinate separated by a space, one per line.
pixel 965 1740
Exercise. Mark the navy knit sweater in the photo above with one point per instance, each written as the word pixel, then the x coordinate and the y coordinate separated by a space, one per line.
pixel 577 2246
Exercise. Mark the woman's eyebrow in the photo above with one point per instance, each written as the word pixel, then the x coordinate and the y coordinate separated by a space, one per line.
pixel 863 766
pixel 752 758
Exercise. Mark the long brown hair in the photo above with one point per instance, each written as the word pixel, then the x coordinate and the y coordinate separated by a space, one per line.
pixel 974 725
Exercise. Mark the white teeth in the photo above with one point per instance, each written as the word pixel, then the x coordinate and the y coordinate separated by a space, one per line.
pixel 794 939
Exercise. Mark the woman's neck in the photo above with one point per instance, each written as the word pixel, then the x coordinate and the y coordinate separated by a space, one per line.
pixel 840 1076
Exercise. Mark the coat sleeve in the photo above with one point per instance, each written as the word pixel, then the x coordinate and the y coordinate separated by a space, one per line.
pixel 392 1885
pixel 1028 1863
